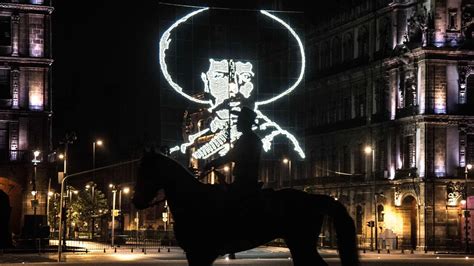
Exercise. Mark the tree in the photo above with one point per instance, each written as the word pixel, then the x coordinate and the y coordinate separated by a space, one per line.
pixel 81 209
pixel 87 207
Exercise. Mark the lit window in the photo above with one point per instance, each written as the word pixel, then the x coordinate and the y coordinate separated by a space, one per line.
pixel 5 90
pixel 452 19
pixel 5 31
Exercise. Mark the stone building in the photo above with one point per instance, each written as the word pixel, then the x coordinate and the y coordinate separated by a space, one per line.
pixel 25 106
pixel 390 125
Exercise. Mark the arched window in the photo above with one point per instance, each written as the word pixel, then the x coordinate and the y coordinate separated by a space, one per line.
pixel 363 42
pixel 384 34
pixel 325 55
pixel 380 213
pixel 359 214
pixel 316 57
pixel 348 47
pixel 336 51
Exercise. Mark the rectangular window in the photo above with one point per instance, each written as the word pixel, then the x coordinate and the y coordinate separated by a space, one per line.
pixel 5 88
pixel 5 31
pixel 452 19
pixel 408 152
pixel 470 149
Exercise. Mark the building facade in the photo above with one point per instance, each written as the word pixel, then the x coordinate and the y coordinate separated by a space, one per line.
pixel 390 128
pixel 25 107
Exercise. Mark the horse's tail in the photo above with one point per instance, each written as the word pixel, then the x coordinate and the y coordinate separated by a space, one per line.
pixel 345 230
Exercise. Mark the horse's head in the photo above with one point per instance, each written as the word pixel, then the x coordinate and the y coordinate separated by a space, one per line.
pixel 149 181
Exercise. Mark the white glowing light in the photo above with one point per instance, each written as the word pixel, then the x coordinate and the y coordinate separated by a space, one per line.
pixel 164 45
pixel 226 81
pixel 303 61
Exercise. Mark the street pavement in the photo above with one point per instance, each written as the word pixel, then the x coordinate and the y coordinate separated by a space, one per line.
pixel 260 256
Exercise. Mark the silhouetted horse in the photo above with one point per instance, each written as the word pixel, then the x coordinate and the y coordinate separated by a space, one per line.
pixel 208 225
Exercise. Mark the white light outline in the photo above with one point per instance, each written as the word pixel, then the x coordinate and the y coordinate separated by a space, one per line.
pixel 303 61
pixel 165 40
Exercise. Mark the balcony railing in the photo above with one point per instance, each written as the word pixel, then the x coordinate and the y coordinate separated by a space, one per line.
pixel 406 173
pixel 15 156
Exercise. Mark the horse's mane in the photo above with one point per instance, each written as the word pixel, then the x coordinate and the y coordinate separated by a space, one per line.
pixel 172 162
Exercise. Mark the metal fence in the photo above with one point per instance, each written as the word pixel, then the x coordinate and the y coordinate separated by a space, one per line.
pixel 141 241
pixel 164 241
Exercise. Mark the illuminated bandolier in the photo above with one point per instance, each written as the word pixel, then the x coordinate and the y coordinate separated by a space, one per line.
pixel 245 155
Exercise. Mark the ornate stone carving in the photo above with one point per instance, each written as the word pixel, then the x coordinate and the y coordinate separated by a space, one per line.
pixel 398 196
pixel 454 193
pixel 463 72
pixel 467 22
pixel 420 26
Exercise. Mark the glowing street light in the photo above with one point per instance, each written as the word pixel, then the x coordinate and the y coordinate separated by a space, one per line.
pixel 99 143
pixel 288 162
pixel 126 190
pixel 466 210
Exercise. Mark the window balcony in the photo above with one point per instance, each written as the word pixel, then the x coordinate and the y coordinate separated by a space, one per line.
pixel 407 173
pixel 7 156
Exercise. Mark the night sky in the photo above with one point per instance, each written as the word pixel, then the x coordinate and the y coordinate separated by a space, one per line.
pixel 106 75
pixel 105 78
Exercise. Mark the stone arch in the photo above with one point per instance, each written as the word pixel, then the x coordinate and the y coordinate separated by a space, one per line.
pixel 363 42
pixel 14 192
pixel 348 47
pixel 336 51
pixel 410 216
pixel 470 89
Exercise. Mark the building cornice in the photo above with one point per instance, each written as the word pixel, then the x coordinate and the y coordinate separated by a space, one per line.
pixel 26 60
pixel 27 7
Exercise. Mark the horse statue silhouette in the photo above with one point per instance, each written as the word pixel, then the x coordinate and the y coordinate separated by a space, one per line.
pixel 207 225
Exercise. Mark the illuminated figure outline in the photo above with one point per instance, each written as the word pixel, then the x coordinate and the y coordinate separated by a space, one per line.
pixel 216 124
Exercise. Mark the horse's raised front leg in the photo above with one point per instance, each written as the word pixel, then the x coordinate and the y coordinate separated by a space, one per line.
pixel 200 258
pixel 304 252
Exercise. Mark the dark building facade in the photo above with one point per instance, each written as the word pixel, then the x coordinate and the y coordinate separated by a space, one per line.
pixel 390 118
pixel 25 105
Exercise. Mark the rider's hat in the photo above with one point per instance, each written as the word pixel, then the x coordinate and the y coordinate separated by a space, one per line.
pixel 246 114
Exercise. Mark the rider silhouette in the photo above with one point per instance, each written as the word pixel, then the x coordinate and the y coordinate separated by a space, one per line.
pixel 245 154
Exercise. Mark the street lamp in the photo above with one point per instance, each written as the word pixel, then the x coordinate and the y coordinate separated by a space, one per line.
pixel 34 191
pixel 369 151
pixel 466 210
pixel 98 143
pixel 288 161
pixel 114 192
pixel 91 185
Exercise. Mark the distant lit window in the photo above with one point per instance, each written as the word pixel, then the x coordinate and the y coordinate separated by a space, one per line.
pixel 380 213
pixel 5 89
pixel 5 31
pixel 452 19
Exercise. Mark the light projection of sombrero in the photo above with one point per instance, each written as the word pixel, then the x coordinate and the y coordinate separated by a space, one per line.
pixel 229 82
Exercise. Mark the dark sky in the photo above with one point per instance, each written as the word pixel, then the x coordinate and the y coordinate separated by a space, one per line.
pixel 105 77
pixel 106 74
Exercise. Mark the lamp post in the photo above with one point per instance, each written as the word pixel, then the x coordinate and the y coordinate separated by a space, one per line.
pixel 466 210
pixel 114 192
pixel 91 185
pixel 69 138
pixel 288 161
pixel 369 151
pixel 34 191
pixel 98 143
pixel 63 182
